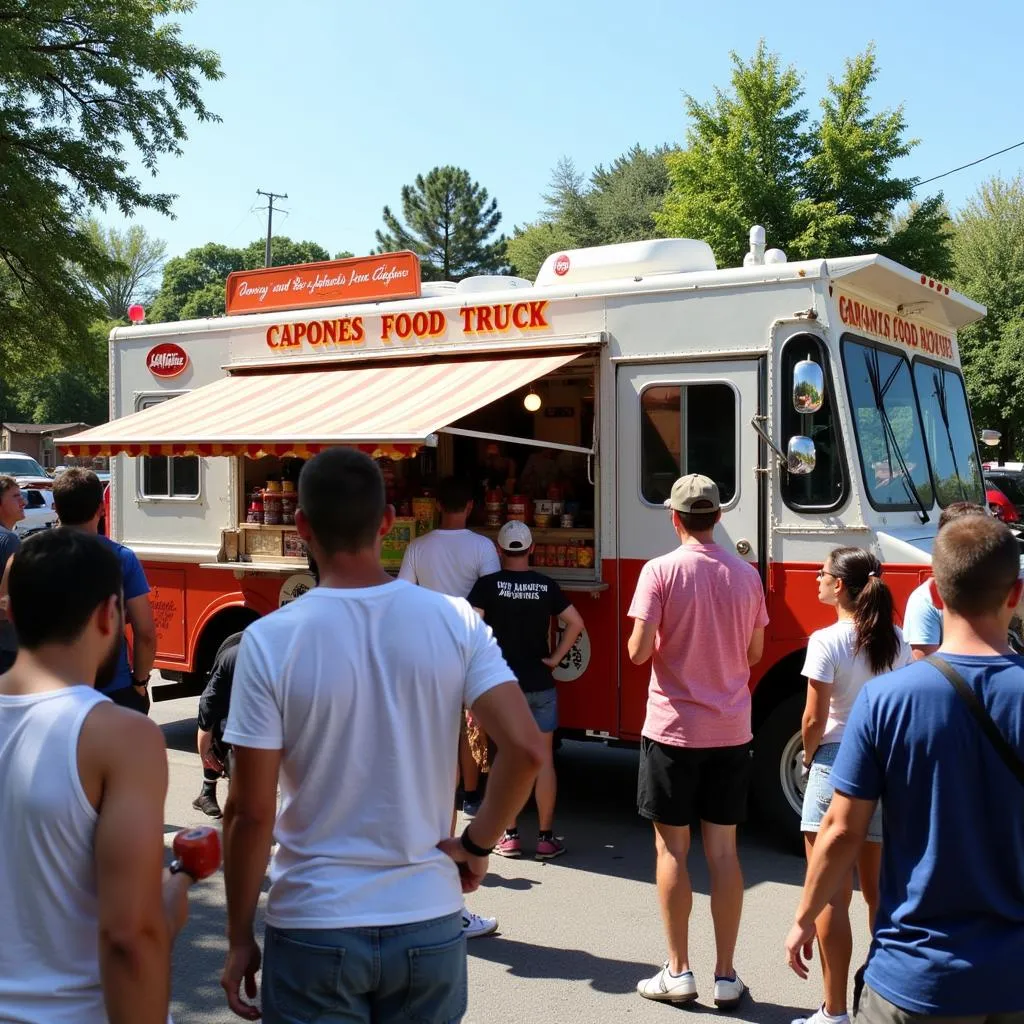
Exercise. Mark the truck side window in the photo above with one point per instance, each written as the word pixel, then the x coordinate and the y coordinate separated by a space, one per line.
pixel 168 476
pixel 687 428
pixel 825 488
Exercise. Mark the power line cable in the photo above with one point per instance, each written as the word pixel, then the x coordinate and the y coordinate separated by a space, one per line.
pixel 963 167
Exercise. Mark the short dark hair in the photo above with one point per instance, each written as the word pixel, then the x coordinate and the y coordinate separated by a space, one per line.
pixel 454 494
pixel 58 579
pixel 976 560
pixel 341 494
pixel 959 509
pixel 77 496
pixel 698 522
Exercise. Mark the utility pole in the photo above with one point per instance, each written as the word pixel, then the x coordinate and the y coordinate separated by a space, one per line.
pixel 271 196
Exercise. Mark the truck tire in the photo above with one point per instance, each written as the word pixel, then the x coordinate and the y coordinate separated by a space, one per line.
pixel 776 787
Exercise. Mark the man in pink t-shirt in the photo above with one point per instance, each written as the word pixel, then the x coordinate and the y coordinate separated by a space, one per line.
pixel 699 612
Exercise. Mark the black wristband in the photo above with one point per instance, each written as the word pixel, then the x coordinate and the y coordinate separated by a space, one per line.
pixel 176 867
pixel 471 847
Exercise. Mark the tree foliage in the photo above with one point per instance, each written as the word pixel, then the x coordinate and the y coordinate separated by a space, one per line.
pixel 136 259
pixel 449 222
pixel 81 82
pixel 617 205
pixel 193 285
pixel 820 188
pixel 988 253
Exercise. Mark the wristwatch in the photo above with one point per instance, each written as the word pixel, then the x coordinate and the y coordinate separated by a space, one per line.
pixel 141 682
pixel 176 867
pixel 471 847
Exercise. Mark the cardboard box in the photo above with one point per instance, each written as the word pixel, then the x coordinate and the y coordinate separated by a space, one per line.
pixel 396 541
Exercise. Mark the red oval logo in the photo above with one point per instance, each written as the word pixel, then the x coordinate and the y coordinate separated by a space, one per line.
pixel 167 360
pixel 562 265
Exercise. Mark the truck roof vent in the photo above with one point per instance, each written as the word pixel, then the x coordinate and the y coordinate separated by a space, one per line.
pixel 492 283
pixel 627 260
pixel 429 289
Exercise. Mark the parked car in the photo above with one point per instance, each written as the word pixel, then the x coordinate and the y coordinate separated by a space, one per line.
pixel 1007 503
pixel 39 512
pixel 25 470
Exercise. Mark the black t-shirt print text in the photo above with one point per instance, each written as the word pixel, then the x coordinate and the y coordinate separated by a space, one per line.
pixel 519 607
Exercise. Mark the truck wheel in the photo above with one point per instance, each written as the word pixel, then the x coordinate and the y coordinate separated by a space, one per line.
pixel 777 788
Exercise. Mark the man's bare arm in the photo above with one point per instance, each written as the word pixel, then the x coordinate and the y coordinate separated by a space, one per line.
pixel 506 718
pixel 641 641
pixel 755 649
pixel 134 932
pixel 573 627
pixel 140 617
pixel 249 815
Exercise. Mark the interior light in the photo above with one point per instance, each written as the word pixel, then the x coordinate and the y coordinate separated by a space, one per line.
pixel 532 401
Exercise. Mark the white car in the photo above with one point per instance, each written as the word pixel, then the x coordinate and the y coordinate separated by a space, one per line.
pixel 39 511
pixel 25 470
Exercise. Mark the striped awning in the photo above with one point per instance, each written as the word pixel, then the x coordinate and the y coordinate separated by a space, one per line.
pixel 388 411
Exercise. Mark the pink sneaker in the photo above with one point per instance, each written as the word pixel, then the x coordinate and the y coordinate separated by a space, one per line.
pixel 509 846
pixel 548 849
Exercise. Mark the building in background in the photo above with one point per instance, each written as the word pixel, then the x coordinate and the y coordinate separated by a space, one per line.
pixel 36 439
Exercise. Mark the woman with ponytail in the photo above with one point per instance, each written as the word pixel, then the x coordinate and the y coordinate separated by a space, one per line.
pixel 864 642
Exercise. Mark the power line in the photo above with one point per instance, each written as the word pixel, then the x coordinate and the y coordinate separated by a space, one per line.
pixel 271 196
pixel 963 167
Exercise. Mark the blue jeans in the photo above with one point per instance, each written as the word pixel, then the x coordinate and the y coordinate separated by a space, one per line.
pixel 400 974
pixel 544 705
pixel 818 794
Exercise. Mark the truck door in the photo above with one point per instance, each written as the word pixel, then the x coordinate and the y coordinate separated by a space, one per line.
pixel 674 419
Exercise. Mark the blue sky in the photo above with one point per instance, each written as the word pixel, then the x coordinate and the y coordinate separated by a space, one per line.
pixel 340 103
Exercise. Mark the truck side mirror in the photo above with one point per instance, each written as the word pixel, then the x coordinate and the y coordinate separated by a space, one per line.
pixel 808 386
pixel 800 456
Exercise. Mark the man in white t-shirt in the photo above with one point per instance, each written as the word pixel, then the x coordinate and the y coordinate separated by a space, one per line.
pixel 351 697
pixel 451 558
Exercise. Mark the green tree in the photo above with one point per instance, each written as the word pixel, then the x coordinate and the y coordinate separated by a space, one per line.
pixel 822 188
pixel 136 259
pixel 80 82
pixel 988 254
pixel 449 222
pixel 617 205
pixel 284 253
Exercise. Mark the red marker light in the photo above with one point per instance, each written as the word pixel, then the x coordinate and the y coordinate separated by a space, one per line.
pixel 136 314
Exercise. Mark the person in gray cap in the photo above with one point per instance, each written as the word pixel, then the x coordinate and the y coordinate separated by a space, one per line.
pixel 519 604
pixel 699 613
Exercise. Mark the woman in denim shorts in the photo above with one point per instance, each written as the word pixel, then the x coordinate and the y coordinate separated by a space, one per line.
pixel 863 643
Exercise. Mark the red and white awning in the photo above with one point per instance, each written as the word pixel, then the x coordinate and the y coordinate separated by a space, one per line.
pixel 388 411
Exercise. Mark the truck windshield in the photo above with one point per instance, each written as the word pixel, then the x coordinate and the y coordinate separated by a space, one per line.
pixel 948 433
pixel 887 422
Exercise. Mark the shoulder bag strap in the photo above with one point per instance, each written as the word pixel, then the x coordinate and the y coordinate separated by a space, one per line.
pixel 1007 754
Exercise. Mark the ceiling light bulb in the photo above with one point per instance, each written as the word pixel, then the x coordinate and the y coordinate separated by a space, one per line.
pixel 532 402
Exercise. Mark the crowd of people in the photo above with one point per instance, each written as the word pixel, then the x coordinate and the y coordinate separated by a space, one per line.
pixel 912 745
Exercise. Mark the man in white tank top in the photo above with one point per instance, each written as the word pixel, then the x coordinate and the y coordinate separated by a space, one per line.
pixel 86 936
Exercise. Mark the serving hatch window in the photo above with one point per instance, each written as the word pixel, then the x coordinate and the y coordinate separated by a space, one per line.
pixel 887 424
pixel 167 476
pixel 685 429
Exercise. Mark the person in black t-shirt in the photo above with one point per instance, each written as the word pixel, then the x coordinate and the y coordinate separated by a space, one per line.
pixel 213 714
pixel 519 604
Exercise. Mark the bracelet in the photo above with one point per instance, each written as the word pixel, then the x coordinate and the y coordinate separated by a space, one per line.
pixel 176 867
pixel 471 847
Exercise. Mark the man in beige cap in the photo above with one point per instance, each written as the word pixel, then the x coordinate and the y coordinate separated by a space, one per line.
pixel 699 612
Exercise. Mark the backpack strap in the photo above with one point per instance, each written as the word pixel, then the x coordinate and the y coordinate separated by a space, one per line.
pixel 1002 747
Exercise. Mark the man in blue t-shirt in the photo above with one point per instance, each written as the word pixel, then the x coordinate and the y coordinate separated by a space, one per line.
pixel 949 937
pixel 78 501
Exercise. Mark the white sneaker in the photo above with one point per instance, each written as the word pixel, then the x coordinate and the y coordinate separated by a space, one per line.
pixel 474 926
pixel 821 1017
pixel 665 987
pixel 728 993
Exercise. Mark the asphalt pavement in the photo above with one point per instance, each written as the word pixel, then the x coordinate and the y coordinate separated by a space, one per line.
pixel 576 934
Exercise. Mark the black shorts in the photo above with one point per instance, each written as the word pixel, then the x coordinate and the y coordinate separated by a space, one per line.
pixel 679 784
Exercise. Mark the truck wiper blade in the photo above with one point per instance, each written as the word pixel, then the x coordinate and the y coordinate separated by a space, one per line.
pixel 892 446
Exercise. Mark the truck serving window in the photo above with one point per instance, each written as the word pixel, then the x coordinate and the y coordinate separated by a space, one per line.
pixel 887 425
pixel 948 433
pixel 825 488
pixel 167 476
pixel 687 429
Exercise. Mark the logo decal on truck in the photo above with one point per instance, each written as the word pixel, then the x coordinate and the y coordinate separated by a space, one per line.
pixel 575 663
pixel 167 360
pixel 562 265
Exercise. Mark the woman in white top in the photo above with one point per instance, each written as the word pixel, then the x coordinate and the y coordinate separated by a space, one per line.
pixel 863 643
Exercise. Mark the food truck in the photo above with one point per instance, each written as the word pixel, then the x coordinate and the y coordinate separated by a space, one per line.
pixel 824 397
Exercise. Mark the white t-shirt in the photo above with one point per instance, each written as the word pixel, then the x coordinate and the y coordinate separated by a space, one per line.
pixel 449 561
pixel 831 658
pixel 363 691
